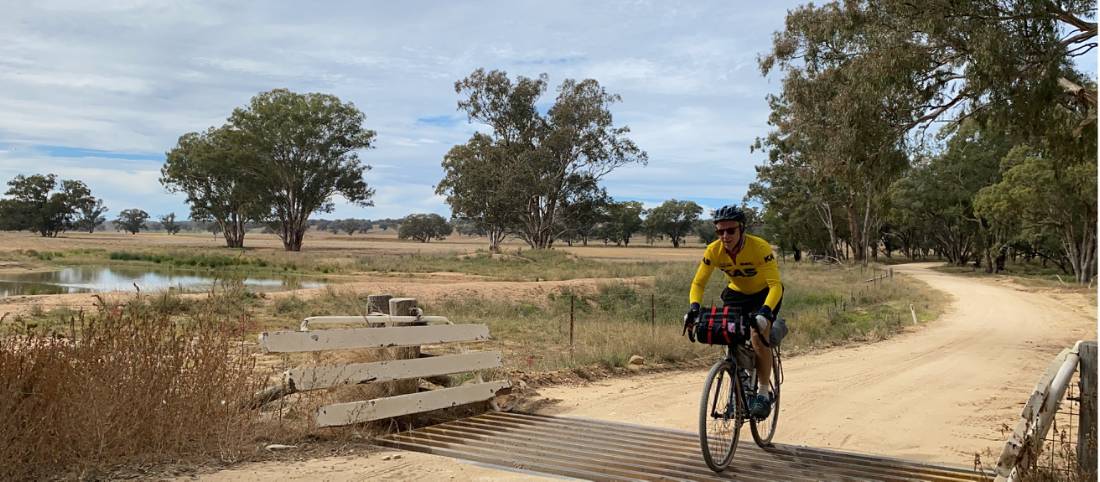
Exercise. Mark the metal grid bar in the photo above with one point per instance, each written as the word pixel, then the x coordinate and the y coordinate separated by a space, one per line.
pixel 599 450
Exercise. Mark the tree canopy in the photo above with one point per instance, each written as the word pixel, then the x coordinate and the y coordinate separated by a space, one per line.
pixel 424 227
pixel 673 218
pixel 523 175
pixel 132 220
pixel 896 119
pixel 302 151
pixel 38 203
pixel 209 167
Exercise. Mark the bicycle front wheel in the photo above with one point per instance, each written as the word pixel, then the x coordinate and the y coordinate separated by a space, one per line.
pixel 764 430
pixel 721 414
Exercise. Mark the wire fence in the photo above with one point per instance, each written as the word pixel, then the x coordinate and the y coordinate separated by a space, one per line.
pixel 1056 439
pixel 1058 455
pixel 1068 451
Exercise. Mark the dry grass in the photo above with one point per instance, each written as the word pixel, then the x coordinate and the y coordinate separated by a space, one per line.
pixel 125 385
pixel 824 305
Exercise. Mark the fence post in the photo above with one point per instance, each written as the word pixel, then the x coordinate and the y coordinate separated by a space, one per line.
pixel 653 313
pixel 404 307
pixel 1086 434
pixel 570 326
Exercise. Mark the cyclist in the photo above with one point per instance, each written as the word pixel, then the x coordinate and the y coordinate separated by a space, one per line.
pixel 754 287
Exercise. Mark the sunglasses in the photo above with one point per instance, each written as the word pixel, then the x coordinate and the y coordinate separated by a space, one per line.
pixel 730 231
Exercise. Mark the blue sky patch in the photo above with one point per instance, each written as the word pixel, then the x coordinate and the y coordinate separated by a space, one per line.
pixel 66 151
pixel 439 120
pixel 567 60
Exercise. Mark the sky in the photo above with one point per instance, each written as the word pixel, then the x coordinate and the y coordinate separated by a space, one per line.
pixel 99 91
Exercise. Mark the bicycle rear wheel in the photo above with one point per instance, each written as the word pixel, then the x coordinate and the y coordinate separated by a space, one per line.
pixel 764 430
pixel 721 414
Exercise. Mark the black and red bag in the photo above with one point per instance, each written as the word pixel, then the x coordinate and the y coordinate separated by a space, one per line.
pixel 721 326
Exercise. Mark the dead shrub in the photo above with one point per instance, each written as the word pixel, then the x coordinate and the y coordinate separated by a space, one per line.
pixel 128 385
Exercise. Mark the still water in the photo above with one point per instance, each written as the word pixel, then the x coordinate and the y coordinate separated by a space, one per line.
pixel 92 279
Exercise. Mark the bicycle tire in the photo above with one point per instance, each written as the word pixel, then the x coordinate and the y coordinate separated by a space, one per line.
pixel 720 382
pixel 764 430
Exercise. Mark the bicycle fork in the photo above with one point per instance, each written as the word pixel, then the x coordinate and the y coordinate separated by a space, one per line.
pixel 733 409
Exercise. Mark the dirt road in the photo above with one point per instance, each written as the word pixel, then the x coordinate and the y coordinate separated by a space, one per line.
pixel 939 393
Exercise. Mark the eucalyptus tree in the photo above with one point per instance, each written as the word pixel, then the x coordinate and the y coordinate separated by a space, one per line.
pixel 91 215
pixel 584 210
pixel 210 169
pixel 624 219
pixel 304 149
pixel 1048 191
pixel 675 219
pixel 704 230
pixel 168 222
pixel 846 104
pixel 802 206
pixel 534 161
pixel 476 185
pixel 1006 59
pixel 132 220
pixel 937 194
pixel 39 203
pixel 424 227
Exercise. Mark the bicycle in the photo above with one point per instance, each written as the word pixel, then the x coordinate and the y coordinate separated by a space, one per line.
pixel 723 408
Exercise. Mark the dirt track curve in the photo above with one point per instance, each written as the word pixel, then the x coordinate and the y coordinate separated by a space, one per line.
pixel 939 393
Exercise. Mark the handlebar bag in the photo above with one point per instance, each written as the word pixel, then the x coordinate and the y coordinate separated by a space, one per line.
pixel 722 326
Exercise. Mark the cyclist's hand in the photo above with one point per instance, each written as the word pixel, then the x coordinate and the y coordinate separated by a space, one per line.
pixel 764 316
pixel 689 320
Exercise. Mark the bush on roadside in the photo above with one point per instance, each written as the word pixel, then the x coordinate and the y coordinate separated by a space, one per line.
pixel 127 385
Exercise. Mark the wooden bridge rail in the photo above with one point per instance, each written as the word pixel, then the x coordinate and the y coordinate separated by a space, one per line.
pixel 385 331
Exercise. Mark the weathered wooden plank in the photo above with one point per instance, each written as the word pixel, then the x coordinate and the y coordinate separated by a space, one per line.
pixel 403 307
pixel 379 408
pixel 379 303
pixel 324 376
pixel 350 338
pixel 370 320
pixel 1086 436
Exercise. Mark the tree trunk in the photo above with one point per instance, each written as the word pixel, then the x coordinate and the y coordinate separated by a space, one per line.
pixel 855 234
pixel 1080 248
pixel 293 235
pixel 825 214
pixel 496 236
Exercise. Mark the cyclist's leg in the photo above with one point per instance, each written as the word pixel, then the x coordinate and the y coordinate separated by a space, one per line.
pixel 749 304
pixel 760 404
pixel 764 352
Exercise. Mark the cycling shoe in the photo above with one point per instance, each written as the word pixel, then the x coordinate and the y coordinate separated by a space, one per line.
pixel 760 406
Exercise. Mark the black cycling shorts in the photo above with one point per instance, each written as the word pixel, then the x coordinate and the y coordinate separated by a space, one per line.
pixel 748 303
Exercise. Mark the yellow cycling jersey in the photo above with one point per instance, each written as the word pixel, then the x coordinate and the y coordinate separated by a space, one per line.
pixel 754 269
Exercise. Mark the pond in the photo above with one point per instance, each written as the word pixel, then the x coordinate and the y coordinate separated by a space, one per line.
pixel 94 279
